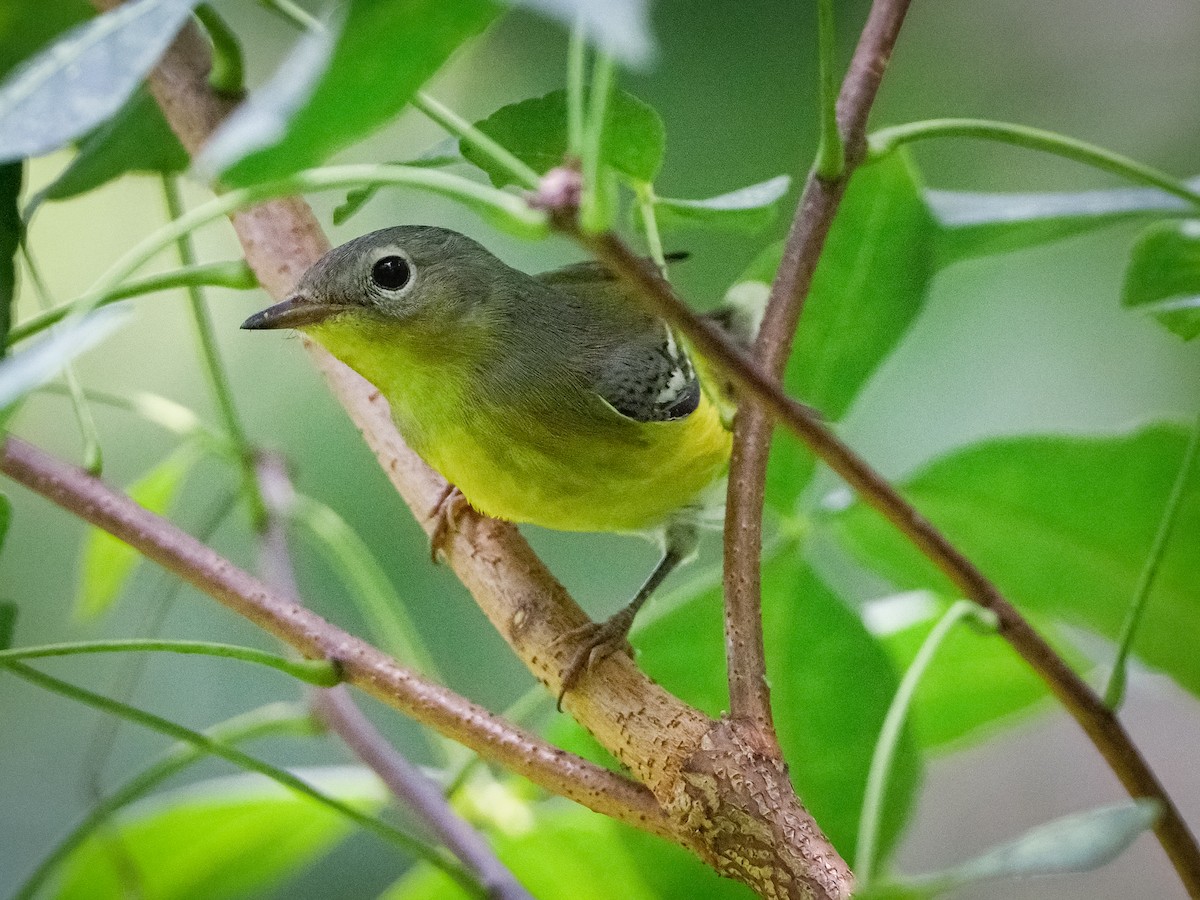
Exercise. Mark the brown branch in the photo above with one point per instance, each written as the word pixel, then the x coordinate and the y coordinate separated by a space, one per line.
pixel 814 217
pixel 449 714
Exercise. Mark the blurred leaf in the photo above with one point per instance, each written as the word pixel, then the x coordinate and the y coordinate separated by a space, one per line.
pixel 107 562
pixel 620 27
pixel 1077 843
pixel 535 131
pixel 136 139
pixel 1163 277
pixel 1063 526
pixel 977 684
pixel 339 85
pixel 747 209
pixel 868 289
pixel 27 27
pixel 8 622
pixel 578 854
pixel 24 371
pixel 981 224
pixel 232 837
pixel 85 76
pixel 5 517
pixel 444 154
pixel 828 714
pixel 11 228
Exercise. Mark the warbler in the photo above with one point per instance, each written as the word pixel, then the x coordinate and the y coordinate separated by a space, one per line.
pixel 552 399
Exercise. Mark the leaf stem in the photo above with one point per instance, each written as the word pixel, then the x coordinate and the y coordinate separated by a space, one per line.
pixel 645 201
pixel 313 671
pixel 295 14
pixel 228 75
pixel 576 78
pixel 893 727
pixel 465 131
pixel 886 140
pixel 249 763
pixel 274 719
pixel 214 366
pixel 594 213
pixel 1114 691
pixel 831 154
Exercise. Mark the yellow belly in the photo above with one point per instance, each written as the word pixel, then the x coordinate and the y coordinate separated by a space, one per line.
pixel 613 475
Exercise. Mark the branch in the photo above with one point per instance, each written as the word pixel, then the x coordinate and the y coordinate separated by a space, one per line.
pixel 430 704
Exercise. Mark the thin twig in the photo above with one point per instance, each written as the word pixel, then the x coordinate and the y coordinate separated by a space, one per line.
pixel 431 704
pixel 334 706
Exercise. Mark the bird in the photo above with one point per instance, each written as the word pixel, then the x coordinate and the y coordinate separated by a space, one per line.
pixel 552 399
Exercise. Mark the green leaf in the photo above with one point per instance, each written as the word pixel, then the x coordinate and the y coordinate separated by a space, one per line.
pixel 578 854
pixel 535 131
pixel 5 517
pixel 85 76
pixel 107 562
pixel 24 371
pixel 977 684
pixel 27 27
pixel 828 714
pixel 233 837
pixel 747 209
pixel 341 84
pixel 136 139
pixel 1077 843
pixel 1063 526
pixel 981 224
pixel 1163 277
pixel 620 27
pixel 8 623
pixel 868 289
pixel 11 229
pixel 444 154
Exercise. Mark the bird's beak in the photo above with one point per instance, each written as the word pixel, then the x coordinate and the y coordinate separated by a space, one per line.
pixel 294 312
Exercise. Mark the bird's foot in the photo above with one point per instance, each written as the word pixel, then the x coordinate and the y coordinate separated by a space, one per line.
pixel 597 641
pixel 445 514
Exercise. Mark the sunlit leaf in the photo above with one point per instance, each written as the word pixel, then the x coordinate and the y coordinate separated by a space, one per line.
pixel 828 714
pixel 234 837
pixel 979 224
pixel 136 139
pixel 11 228
pixel 747 209
pixel 1063 526
pixel 24 371
pixel 107 563
pixel 85 76
pixel 340 84
pixel 1163 277
pixel 535 131
pixel 621 27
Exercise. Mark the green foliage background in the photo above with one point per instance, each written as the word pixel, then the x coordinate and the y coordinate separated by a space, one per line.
pixel 1033 341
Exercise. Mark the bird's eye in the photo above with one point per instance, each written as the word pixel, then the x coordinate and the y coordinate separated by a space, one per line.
pixel 391 273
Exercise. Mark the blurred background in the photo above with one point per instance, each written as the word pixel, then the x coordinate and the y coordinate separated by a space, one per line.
pixel 1031 341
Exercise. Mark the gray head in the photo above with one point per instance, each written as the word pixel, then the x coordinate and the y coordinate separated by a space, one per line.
pixel 409 273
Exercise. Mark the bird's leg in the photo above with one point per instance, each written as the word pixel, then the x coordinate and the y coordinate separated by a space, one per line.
pixel 601 639
pixel 450 505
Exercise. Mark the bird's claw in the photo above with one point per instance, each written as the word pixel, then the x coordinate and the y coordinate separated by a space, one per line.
pixel 597 641
pixel 445 514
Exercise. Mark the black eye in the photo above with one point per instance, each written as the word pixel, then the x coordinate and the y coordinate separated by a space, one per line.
pixel 391 273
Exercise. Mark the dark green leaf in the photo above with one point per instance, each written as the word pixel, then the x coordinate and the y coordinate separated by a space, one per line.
pixel 24 371
pixel 748 209
pixel 11 229
pixel 8 622
pixel 621 27
pixel 982 224
pixel 868 289
pixel 231 838
pixel 27 27
pixel 1164 276
pixel 339 85
pixel 1063 526
pixel 977 682
pixel 136 139
pixel 85 76
pixel 107 562
pixel 535 131
pixel 577 854
pixel 828 713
